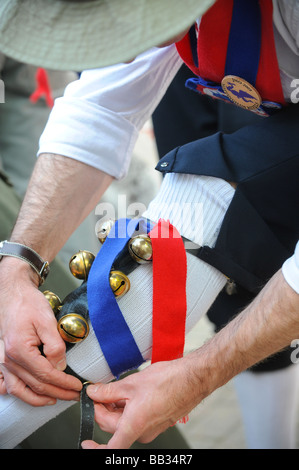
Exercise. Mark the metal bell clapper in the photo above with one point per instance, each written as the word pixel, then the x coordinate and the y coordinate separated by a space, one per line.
pixel 104 230
pixel 73 328
pixel 80 264
pixel 54 300
pixel 119 282
pixel 140 249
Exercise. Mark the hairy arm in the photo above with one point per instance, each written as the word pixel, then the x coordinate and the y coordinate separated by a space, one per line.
pixel 61 193
pixel 143 405
pixel 267 325
pixel 96 121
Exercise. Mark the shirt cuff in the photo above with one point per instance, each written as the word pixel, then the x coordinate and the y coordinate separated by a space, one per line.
pixel 91 134
pixel 290 270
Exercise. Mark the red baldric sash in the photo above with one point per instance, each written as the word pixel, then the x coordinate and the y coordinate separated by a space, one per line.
pixel 233 54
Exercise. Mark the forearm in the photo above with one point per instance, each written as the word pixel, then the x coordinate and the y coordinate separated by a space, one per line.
pixel 61 193
pixel 266 326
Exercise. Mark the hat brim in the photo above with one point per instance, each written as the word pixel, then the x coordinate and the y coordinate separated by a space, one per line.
pixel 65 35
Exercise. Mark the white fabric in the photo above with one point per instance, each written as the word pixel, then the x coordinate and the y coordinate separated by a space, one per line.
pixel 269 405
pixel 290 270
pixel 18 420
pixel 286 33
pixel 180 200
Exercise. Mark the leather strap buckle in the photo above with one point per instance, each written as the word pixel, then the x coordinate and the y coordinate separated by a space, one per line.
pixel 41 267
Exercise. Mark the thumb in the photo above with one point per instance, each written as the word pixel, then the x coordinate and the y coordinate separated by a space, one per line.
pixel 92 445
pixel 106 393
pixel 53 345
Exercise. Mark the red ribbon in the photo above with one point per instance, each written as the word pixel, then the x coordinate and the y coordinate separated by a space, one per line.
pixel 43 89
pixel 169 292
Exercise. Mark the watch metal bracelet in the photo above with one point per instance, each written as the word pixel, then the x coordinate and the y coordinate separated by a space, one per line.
pixel 17 250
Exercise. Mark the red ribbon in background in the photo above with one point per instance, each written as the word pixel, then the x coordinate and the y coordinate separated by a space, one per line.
pixel 43 89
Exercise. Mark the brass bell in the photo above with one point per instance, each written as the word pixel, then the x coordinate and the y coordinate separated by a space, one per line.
pixel 80 264
pixel 140 248
pixel 73 328
pixel 119 282
pixel 104 230
pixel 53 299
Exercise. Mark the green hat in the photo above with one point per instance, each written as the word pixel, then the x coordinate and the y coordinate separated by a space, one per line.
pixel 82 34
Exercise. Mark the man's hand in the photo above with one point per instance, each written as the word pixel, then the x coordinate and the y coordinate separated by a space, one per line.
pixel 46 220
pixel 142 405
pixel 27 323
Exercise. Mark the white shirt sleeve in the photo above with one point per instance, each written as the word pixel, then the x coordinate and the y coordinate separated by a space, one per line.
pixel 290 270
pixel 98 119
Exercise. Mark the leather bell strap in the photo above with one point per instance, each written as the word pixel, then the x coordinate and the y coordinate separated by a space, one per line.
pixel 235 37
pixel 86 416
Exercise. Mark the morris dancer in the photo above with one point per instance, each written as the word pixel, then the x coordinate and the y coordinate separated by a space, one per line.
pixel 87 143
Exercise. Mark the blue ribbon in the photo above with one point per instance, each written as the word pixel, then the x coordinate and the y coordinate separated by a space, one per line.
pixel 244 43
pixel 114 336
pixel 193 44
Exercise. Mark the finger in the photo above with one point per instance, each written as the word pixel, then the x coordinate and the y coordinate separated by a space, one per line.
pixel 92 445
pixel 127 432
pixel 2 384
pixel 107 393
pixel 3 390
pixel 40 384
pixel 14 386
pixel 53 345
pixel 46 331
pixel 107 417
pixel 125 425
pixel 47 374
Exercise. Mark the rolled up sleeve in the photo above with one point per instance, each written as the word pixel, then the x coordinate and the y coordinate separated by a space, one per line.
pixel 98 119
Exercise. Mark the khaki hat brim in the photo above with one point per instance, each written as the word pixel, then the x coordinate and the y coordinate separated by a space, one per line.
pixel 65 35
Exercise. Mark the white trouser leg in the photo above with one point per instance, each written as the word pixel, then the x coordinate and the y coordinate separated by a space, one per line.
pixel 269 405
pixel 207 200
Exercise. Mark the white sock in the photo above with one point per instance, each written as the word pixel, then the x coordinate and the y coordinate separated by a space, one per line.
pixel 269 405
pixel 205 200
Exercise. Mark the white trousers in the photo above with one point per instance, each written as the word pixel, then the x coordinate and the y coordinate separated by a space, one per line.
pixel 269 406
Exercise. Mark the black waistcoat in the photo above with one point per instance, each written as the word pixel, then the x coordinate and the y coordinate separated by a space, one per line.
pixel 261 227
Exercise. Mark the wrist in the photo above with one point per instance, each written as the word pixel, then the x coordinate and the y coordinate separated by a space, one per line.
pixel 13 268
pixel 212 365
pixel 27 255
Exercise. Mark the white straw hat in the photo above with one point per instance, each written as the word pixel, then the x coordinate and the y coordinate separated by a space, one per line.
pixel 82 34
